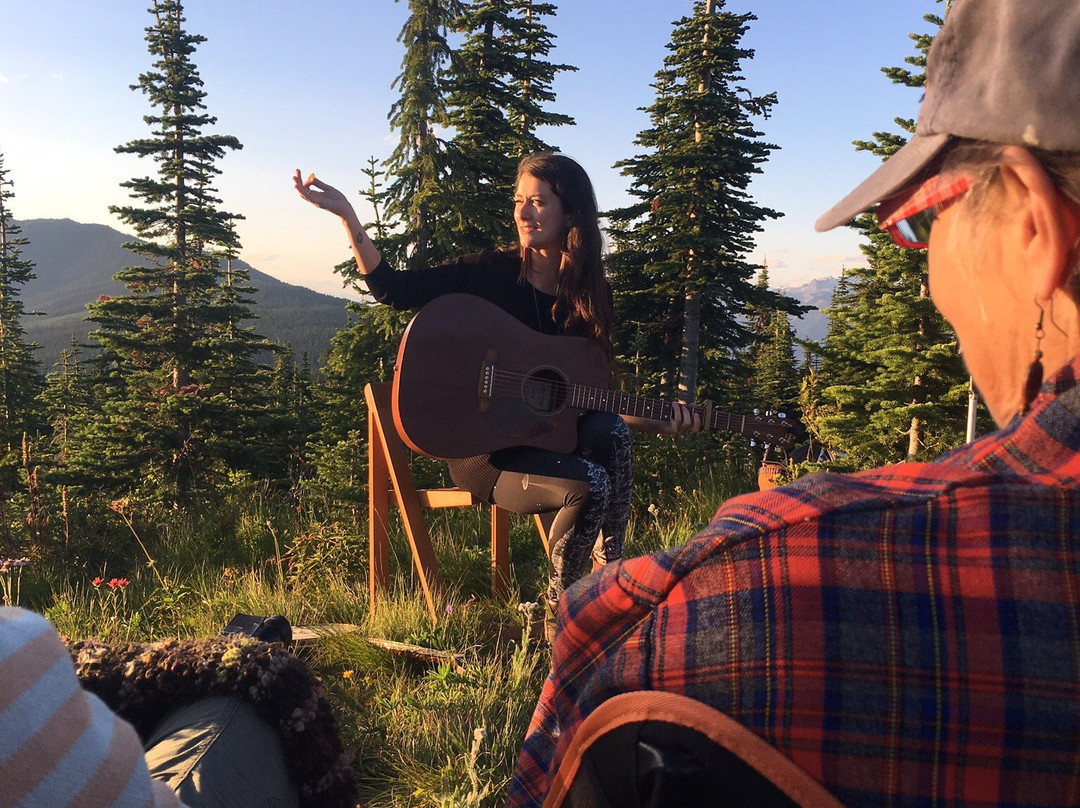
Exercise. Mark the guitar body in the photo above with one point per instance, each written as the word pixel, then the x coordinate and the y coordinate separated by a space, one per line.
pixel 472 379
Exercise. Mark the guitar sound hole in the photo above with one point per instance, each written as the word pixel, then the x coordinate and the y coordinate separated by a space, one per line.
pixel 544 391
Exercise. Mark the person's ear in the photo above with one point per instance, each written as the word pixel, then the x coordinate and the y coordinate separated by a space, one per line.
pixel 1048 222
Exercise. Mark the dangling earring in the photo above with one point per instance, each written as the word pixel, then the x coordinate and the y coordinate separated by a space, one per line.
pixel 1035 369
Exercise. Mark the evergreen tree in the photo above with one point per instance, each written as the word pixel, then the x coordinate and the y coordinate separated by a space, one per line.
pixel 498 82
pixel 759 317
pixel 776 379
pixel 891 385
pixel 419 164
pixel 249 431
pixel 478 184
pixel 170 346
pixel 533 77
pixel 20 375
pixel 291 395
pixel 68 402
pixel 680 267
pixel 360 353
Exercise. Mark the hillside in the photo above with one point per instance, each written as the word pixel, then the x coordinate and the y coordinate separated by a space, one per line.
pixel 75 263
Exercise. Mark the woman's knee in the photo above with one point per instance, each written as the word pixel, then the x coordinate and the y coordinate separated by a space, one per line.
pixel 601 435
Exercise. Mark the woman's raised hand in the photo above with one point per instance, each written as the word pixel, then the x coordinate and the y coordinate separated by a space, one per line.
pixel 321 195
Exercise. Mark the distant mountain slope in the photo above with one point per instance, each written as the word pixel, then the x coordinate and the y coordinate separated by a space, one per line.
pixel 75 264
pixel 813 325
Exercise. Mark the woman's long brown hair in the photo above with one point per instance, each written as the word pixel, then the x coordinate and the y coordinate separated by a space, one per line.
pixel 582 296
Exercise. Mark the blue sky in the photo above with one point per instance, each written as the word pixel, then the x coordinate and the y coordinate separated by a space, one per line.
pixel 308 85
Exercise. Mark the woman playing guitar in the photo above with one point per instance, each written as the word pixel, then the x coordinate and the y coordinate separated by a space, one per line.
pixel 554 282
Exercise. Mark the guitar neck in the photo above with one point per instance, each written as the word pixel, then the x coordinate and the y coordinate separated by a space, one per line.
pixel 651 409
pixel 770 429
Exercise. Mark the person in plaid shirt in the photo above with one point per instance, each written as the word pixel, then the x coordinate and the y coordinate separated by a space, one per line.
pixel 909 636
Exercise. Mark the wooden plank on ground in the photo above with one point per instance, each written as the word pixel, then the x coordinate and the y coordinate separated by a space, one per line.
pixel 419 653
pixel 306 635
pixel 309 634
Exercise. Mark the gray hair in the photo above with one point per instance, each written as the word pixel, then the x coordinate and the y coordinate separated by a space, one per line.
pixel 981 160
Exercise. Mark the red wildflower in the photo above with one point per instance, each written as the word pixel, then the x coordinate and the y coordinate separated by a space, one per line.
pixel 98 581
pixel 118 583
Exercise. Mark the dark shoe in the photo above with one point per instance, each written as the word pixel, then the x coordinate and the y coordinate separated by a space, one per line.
pixel 267 629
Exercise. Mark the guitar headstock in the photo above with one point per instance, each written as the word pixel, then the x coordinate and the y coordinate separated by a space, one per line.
pixel 770 428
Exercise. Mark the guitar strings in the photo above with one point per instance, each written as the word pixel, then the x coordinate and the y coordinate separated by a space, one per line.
pixel 508 383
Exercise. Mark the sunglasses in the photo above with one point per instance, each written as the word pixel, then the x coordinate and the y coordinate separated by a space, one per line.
pixel 909 215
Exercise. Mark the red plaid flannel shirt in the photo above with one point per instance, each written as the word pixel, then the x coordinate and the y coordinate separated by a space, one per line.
pixel 909 636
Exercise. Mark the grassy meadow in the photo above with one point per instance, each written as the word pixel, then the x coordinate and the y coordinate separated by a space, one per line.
pixel 422 734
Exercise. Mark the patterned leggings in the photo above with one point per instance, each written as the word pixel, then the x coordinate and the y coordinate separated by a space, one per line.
pixel 589 488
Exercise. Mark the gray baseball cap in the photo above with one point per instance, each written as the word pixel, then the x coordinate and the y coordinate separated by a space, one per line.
pixel 1003 71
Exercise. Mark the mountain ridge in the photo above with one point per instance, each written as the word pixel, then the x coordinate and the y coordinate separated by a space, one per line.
pixel 74 263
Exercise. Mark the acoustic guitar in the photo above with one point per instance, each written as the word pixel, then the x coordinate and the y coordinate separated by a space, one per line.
pixel 472 379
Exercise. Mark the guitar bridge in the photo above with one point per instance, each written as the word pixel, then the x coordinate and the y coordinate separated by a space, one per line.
pixel 486 389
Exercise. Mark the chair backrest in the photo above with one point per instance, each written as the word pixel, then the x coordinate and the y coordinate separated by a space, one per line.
pixel 652 749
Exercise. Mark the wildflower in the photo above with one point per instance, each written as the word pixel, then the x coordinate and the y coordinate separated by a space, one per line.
pixel 98 581
pixel 118 583
pixel 347 674
pixel 8 565
pixel 449 608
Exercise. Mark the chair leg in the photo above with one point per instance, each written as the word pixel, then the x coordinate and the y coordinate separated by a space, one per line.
pixel 401 479
pixel 543 527
pixel 500 552
pixel 378 513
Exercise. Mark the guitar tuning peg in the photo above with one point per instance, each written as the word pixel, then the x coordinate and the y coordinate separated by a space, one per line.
pixel 782 415
pixel 757 411
pixel 768 413
pixel 753 443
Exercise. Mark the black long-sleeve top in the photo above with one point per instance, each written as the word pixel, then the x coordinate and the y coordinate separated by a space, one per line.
pixel 492 275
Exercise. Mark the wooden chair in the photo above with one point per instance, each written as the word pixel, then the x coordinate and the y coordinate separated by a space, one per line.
pixel 389 471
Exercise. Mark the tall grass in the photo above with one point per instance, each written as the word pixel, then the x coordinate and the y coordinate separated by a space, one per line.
pixel 421 734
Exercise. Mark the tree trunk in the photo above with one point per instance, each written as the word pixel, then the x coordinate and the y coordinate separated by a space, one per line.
pixel 420 222
pixel 914 439
pixel 690 354
pixel 689 358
